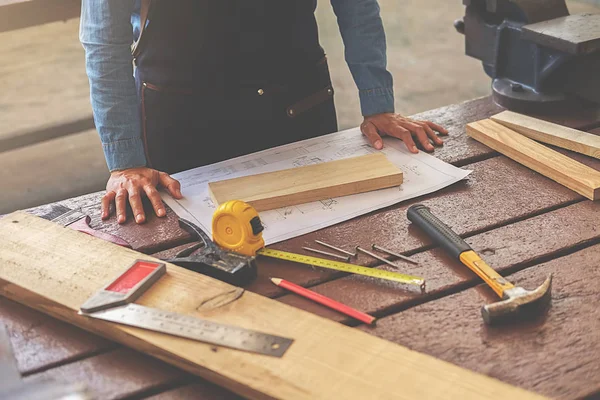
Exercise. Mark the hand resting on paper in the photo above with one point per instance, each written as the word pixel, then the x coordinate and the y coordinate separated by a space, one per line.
pixel 390 124
pixel 130 185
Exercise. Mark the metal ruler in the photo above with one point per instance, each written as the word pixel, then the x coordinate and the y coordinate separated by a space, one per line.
pixel 345 267
pixel 196 329
pixel 113 303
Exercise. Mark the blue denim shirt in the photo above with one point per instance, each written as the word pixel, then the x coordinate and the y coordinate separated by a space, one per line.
pixel 108 28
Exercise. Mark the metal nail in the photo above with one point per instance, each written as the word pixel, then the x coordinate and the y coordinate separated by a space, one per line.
pixel 332 247
pixel 391 253
pixel 347 259
pixel 375 256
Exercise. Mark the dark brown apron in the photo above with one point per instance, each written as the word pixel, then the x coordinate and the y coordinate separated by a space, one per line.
pixel 219 79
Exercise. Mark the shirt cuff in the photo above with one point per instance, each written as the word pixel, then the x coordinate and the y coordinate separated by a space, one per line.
pixel 124 154
pixel 376 101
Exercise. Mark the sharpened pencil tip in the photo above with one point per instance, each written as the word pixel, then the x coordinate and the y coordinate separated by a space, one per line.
pixel 276 281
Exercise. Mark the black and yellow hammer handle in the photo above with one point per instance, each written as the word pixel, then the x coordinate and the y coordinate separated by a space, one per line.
pixel 443 236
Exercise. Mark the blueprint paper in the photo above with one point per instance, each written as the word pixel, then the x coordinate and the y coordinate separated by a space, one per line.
pixel 423 174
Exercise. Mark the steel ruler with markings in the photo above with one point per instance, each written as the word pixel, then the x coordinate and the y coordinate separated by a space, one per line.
pixel 113 303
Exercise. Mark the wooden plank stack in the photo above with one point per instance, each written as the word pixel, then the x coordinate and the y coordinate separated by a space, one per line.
pixel 517 145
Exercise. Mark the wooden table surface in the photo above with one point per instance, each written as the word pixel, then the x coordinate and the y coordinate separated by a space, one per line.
pixel 525 225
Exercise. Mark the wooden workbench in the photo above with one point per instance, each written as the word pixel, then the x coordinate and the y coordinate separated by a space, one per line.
pixel 524 224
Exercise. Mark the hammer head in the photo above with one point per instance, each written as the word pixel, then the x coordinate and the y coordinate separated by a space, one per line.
pixel 518 303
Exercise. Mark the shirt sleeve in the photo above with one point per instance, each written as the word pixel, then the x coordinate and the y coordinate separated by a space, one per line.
pixel 106 34
pixel 365 52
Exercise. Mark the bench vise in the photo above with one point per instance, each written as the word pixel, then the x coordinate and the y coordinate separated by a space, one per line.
pixel 540 57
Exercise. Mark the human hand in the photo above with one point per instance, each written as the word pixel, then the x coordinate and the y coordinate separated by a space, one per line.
pixel 390 124
pixel 132 184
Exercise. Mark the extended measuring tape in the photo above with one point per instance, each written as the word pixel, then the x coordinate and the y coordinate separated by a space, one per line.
pixel 236 226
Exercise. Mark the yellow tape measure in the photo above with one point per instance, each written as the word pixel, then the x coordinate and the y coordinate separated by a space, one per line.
pixel 344 267
pixel 236 226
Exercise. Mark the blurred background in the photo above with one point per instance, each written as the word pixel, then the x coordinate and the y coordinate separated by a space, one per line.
pixel 50 151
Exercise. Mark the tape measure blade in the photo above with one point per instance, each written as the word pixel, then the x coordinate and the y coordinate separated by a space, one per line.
pixel 196 329
pixel 344 267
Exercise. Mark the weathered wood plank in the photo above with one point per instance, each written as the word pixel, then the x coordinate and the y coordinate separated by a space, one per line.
pixel 322 352
pixel 547 132
pixel 460 150
pixel 540 158
pixel 117 374
pixel 43 343
pixel 555 355
pixel 505 249
pixel 497 192
pixel 199 391
pixel 40 341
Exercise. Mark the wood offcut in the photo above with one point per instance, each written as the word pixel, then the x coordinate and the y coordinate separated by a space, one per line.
pixel 554 134
pixel 54 270
pixel 309 183
pixel 552 164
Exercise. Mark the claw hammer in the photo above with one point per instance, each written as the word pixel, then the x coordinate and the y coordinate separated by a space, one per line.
pixel 517 302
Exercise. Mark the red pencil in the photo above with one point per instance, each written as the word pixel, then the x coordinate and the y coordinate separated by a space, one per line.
pixel 326 301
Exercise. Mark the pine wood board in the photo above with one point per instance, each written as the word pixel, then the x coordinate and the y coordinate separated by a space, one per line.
pixel 308 183
pixel 55 269
pixel 554 134
pixel 550 163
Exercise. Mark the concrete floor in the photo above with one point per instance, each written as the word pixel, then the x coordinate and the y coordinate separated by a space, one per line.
pixel 43 83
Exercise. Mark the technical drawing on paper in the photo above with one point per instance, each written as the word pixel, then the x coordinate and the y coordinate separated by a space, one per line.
pixel 423 174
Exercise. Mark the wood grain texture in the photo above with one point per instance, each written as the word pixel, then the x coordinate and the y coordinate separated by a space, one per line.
pixel 115 375
pixel 324 361
pixel 41 341
pixel 550 163
pixel 458 149
pixel 505 249
pixel 547 132
pixel 555 354
pixel 506 192
pixel 198 391
pixel 308 183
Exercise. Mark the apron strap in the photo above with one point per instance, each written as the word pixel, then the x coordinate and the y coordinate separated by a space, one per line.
pixel 144 10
